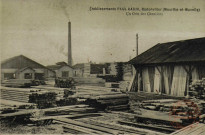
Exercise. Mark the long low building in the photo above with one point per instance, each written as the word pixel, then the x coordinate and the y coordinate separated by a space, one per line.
pixel 21 67
pixel 170 67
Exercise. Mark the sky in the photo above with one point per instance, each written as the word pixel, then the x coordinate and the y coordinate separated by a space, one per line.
pixel 38 29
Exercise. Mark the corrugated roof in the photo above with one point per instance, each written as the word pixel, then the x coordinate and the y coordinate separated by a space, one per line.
pixel 192 50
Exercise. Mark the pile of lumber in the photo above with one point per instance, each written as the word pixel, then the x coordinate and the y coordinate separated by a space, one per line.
pixel 110 102
pixel 51 113
pixel 15 94
pixel 44 98
pixel 197 89
pixel 142 96
pixel 64 82
pixel 8 106
pixel 163 105
pixel 85 126
pixel 186 110
pixel 17 83
pixel 102 98
pixel 63 95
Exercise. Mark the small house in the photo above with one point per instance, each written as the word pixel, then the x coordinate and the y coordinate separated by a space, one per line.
pixel 62 70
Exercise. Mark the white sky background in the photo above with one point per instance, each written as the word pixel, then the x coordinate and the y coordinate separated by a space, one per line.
pixel 38 29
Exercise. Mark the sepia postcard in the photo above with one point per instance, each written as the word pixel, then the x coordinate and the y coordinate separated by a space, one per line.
pixel 102 67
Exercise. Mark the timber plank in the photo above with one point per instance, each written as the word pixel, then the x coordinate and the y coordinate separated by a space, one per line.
pixel 81 129
pixel 88 126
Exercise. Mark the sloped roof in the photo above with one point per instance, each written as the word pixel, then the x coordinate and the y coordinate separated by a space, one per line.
pixel 78 66
pixel 19 62
pixel 56 67
pixel 62 63
pixel 21 70
pixel 192 50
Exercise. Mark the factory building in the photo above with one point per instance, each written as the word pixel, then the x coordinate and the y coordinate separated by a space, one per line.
pixel 22 67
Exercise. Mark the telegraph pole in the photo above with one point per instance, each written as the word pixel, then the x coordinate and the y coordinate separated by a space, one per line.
pixel 137 44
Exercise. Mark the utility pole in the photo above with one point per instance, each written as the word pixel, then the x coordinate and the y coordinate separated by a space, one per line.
pixel 136 44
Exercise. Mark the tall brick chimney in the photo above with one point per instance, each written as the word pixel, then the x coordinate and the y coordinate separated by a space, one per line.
pixel 69 45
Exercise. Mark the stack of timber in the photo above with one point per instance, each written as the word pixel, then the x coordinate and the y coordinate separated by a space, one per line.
pixel 103 98
pixel 8 106
pixel 42 97
pixel 64 82
pixel 197 89
pixel 63 97
pixel 16 94
pixel 83 126
pixel 142 96
pixel 186 110
pixel 109 102
pixel 17 83
pixel 152 120
pixel 158 105
pixel 51 113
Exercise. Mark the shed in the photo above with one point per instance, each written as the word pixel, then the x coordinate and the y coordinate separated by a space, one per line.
pixel 63 71
pixel 170 67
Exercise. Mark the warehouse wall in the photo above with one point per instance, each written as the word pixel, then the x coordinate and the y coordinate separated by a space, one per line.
pixel 167 79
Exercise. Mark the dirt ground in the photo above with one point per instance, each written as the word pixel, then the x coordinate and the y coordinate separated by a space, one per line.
pixel 15 128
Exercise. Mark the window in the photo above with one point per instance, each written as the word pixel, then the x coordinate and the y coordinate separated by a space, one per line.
pixel 28 76
pixel 65 73
pixel 9 76
pixel 39 76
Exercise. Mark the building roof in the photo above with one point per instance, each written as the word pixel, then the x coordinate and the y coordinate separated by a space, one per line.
pixel 78 66
pixel 21 62
pixel 62 63
pixel 185 51
pixel 21 70
pixel 56 67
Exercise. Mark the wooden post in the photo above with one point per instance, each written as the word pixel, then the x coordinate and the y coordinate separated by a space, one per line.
pixel 189 72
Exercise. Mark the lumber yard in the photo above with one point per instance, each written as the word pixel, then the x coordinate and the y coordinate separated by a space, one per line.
pixel 100 110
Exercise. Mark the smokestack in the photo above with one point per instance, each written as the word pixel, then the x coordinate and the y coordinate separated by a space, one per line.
pixel 136 44
pixel 69 45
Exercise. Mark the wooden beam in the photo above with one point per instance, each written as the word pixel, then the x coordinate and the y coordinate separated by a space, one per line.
pixel 131 82
pixel 66 116
pixel 80 129
pixel 85 125
pixel 158 128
